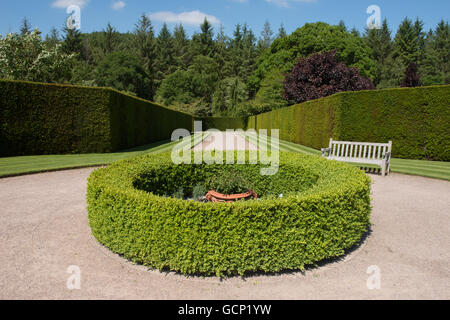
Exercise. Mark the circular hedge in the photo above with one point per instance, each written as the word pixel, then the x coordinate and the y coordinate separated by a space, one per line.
pixel 324 210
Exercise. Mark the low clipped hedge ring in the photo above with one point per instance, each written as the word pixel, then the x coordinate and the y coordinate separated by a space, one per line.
pixel 325 209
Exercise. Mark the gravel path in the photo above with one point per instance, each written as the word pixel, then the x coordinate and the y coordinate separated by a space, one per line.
pixel 224 141
pixel 44 229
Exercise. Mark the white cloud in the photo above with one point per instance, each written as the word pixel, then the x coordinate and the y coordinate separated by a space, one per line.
pixel 193 17
pixel 66 3
pixel 118 5
pixel 285 3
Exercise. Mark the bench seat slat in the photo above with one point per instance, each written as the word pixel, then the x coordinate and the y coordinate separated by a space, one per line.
pixel 356 160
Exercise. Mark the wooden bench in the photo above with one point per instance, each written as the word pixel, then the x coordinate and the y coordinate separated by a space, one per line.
pixel 360 152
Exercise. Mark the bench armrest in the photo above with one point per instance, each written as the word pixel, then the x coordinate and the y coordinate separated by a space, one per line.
pixel 325 152
pixel 387 156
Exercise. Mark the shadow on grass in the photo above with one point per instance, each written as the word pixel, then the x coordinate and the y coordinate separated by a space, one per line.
pixel 145 147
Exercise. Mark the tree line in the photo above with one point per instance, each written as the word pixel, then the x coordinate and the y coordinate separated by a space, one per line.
pixel 212 74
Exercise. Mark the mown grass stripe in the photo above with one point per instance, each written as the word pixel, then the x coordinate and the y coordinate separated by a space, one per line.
pixel 432 169
pixel 35 164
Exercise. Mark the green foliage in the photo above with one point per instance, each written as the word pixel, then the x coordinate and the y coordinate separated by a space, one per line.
pixel 72 43
pixel 122 71
pixel 270 93
pixel 181 47
pixel 194 86
pixel 202 43
pixel 83 74
pixel 25 27
pixel 249 108
pixel 255 62
pixel 165 60
pixel 144 42
pixel 390 70
pixel 230 183
pixel 409 41
pixel 314 38
pixel 204 73
pixel 415 119
pixel 435 68
pixel 266 37
pixel 179 194
pixel 325 210
pixel 109 39
pixel 229 93
pixel 176 88
pixel 243 53
pixel 26 57
pixel 281 32
pixel 390 73
pixel 41 118
pixel 198 192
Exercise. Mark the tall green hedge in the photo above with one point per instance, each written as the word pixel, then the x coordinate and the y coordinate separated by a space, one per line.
pixel 415 119
pixel 309 124
pixel 223 123
pixel 136 122
pixel 37 118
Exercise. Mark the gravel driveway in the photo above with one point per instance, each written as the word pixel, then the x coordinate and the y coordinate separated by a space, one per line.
pixel 44 230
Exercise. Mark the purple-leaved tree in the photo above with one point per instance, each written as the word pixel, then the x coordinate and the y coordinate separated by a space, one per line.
pixel 321 75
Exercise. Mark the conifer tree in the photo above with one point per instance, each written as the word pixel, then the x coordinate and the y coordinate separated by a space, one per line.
pixel 181 46
pixel 442 49
pixel 72 42
pixel 342 25
pixel 222 53
pixel 26 27
pixel 412 77
pixel 236 48
pixel 409 41
pixel 144 41
pixel 203 43
pixel 52 38
pixel 249 53
pixel 110 39
pixel 165 63
pixel 281 32
pixel 266 36
pixel 380 43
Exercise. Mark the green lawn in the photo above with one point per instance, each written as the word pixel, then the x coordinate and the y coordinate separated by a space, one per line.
pixel 32 164
pixel 431 169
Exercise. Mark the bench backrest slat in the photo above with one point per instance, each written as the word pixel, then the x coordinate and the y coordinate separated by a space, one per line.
pixel 361 150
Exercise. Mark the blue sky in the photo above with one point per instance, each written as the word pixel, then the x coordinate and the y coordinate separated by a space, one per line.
pixel 292 13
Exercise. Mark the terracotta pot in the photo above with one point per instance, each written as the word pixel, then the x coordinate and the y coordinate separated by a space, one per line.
pixel 214 196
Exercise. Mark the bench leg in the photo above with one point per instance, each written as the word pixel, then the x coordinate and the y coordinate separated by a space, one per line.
pixel 383 169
